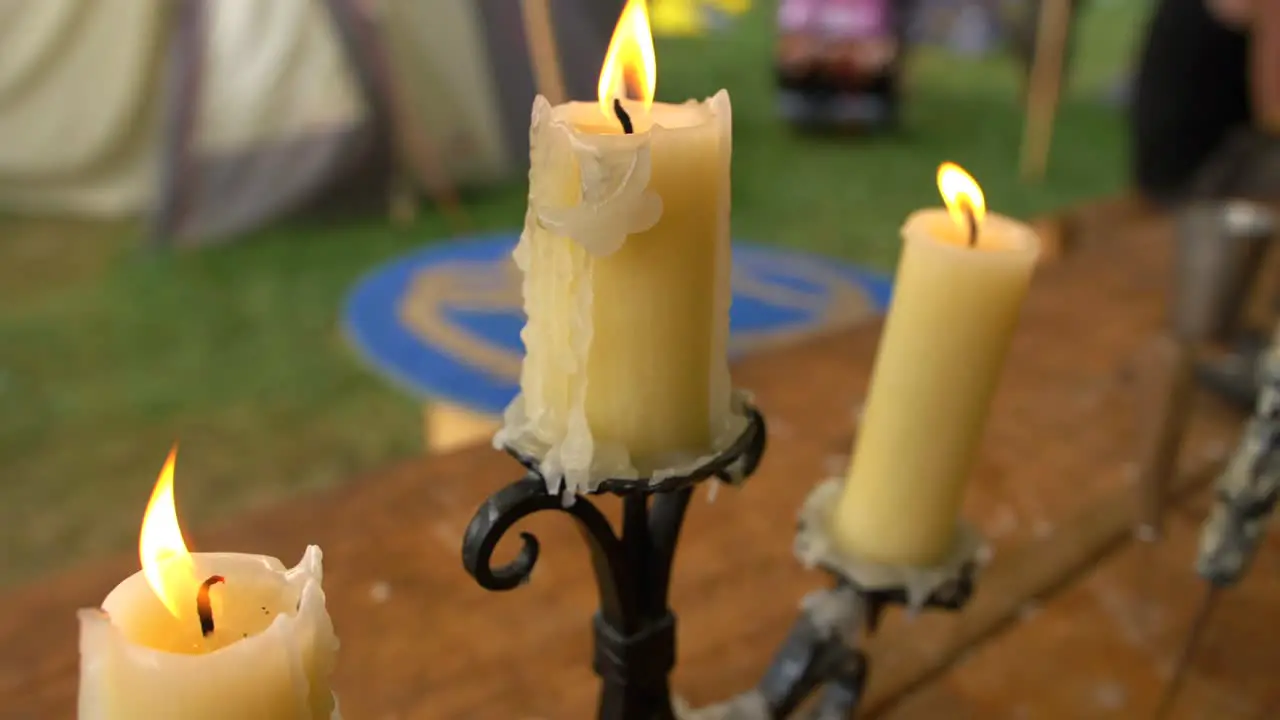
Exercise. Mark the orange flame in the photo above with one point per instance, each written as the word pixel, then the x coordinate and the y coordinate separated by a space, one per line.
pixel 166 563
pixel 630 61
pixel 962 194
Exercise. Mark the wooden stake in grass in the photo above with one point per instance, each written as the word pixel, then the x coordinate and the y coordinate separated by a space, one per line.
pixel 544 54
pixel 1045 86
pixel 417 161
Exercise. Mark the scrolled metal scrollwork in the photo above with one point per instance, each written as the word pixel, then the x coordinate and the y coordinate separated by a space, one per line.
pixel 732 466
pixel 635 630
pixel 518 501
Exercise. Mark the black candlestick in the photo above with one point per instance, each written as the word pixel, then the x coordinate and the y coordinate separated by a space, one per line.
pixel 635 629
pixel 821 653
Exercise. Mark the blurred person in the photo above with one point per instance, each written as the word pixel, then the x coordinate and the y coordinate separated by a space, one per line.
pixel 1207 69
pixel 838 61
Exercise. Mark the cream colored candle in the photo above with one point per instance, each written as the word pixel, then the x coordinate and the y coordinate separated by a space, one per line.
pixel 271 649
pixel 625 256
pixel 954 308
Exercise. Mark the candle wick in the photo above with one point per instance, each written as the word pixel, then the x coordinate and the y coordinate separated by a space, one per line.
pixel 623 117
pixel 973 224
pixel 204 608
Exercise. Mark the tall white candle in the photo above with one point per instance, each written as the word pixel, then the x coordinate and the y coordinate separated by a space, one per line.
pixel 626 263
pixel 268 654
pixel 959 290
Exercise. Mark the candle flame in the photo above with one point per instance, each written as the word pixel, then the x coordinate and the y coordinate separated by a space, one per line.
pixel 631 61
pixel 166 563
pixel 962 194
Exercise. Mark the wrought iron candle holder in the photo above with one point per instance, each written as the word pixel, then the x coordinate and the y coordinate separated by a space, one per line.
pixel 635 629
pixel 821 653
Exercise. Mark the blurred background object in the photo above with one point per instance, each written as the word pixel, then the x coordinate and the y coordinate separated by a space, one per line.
pixel 444 323
pixel 839 61
pixel 694 18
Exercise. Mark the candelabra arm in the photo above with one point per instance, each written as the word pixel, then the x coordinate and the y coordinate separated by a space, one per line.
pixel 524 498
pixel 843 693
pixel 635 630
pixel 819 650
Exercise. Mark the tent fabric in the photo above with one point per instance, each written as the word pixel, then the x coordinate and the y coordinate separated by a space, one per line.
pixel 455 74
pixel 583 29
pixel 211 118
pixel 273 71
pixel 266 110
pixel 464 67
pixel 79 107
pixel 442 68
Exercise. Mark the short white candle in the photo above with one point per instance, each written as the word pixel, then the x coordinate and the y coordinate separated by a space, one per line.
pixel 144 653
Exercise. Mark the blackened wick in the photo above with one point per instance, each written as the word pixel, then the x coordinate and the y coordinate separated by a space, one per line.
pixel 203 607
pixel 973 224
pixel 623 117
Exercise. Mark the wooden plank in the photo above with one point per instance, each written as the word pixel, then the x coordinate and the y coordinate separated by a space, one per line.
pixel 1106 646
pixel 1026 576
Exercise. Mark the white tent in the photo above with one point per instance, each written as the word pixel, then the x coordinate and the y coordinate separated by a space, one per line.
pixel 212 117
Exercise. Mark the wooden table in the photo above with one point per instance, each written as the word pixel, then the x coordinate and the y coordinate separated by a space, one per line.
pixel 1052 491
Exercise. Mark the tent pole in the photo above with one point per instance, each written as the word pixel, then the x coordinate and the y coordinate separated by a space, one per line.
pixel 543 52
pixel 181 107
pixel 1045 86
pixel 415 158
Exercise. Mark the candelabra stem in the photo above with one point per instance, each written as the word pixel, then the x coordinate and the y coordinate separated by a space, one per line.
pixel 635 629
pixel 634 654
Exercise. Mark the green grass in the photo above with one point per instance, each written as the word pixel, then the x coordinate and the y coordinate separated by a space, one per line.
pixel 108 354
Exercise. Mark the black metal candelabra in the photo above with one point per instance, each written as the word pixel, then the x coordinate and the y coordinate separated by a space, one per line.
pixel 635 628
pixel 821 653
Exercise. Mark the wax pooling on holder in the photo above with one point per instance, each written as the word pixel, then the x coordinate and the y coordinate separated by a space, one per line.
pixel 625 263
pixel 814 548
pixel 750 705
pixel 566 224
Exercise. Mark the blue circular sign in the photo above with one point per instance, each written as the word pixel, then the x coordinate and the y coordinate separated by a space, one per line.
pixel 444 322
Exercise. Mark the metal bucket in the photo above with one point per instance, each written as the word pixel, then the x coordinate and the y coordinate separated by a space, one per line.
pixel 1220 248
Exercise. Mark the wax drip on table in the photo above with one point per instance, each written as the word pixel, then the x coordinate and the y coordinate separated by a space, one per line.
pixel 204 608
pixel 623 117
